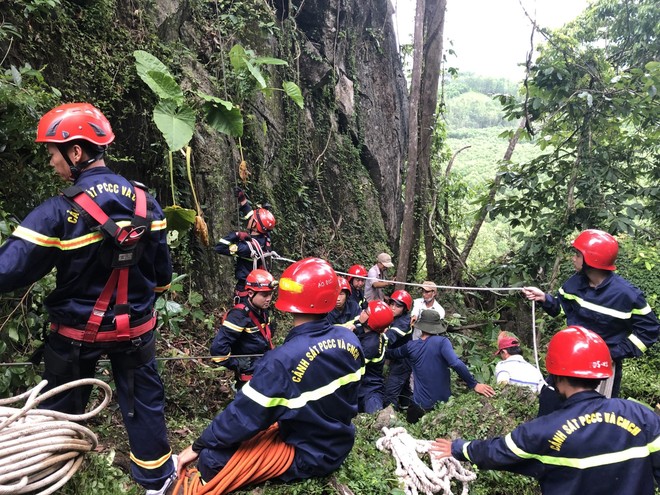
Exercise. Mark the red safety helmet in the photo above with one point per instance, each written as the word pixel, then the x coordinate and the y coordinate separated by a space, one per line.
pixel 344 285
pixel 75 121
pixel 264 220
pixel 308 286
pixel 356 270
pixel 578 352
pixel 402 297
pixel 598 248
pixel 380 316
pixel 260 281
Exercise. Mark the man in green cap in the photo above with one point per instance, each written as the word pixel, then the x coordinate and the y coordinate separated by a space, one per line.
pixel 430 358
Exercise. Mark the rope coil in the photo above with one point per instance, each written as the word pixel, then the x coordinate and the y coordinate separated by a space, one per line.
pixel 43 448
pixel 263 457
pixel 415 476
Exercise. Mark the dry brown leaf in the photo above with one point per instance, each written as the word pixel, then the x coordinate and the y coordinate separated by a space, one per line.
pixel 243 171
pixel 201 230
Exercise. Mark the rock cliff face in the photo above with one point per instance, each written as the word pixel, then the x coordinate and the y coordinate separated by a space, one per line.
pixel 332 170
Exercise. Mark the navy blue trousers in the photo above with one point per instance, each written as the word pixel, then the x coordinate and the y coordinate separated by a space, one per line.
pixel 139 392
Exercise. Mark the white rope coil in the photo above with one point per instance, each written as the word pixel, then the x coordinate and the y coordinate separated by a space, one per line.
pixel 40 448
pixel 415 476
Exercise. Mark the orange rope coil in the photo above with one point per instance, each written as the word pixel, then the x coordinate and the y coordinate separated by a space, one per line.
pixel 263 457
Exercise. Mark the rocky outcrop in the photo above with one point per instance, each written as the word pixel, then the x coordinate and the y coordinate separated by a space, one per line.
pixel 333 170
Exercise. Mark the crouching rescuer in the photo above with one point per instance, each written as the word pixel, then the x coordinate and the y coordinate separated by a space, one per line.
pixel 246 330
pixel 292 420
pixel 105 236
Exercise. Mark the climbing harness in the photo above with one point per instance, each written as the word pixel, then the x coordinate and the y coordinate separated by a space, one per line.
pixel 264 328
pixel 413 473
pixel 260 258
pixel 42 449
pixel 263 457
pixel 126 250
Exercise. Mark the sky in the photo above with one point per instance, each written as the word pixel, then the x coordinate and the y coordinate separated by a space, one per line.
pixel 490 37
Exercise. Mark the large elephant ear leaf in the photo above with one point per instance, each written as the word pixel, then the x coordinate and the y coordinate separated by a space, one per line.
pixel 222 115
pixel 177 123
pixel 293 91
pixel 157 76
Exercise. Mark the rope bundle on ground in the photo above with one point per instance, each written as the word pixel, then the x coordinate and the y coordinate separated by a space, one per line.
pixel 40 448
pixel 263 457
pixel 415 475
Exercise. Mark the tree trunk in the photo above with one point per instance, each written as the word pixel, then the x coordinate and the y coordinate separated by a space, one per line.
pixel 408 225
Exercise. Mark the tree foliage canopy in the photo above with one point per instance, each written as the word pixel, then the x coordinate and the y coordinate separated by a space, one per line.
pixel 593 107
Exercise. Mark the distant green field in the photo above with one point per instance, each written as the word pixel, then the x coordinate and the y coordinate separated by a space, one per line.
pixel 478 165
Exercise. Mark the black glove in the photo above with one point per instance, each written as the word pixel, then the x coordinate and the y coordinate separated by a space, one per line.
pixel 267 206
pixel 243 236
pixel 240 195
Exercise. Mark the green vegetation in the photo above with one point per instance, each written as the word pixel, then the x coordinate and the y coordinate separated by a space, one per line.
pixel 588 158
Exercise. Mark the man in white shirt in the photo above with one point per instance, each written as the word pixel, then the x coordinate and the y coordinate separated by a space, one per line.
pixel 427 301
pixel 513 369
pixel 374 285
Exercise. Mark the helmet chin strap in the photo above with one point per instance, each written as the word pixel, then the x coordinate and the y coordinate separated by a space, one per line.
pixel 76 170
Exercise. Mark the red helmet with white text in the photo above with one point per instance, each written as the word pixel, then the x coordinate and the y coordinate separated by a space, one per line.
pixel 308 286
pixel 260 281
pixel 380 316
pixel 402 297
pixel 578 352
pixel 356 270
pixel 598 248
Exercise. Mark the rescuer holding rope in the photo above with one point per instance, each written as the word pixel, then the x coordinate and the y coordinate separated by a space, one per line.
pixel 108 279
pixel 307 388
pixel 598 299
pixel 592 444
pixel 252 248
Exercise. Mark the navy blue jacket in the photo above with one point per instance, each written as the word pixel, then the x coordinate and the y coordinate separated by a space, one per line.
pixel 239 334
pixel 309 386
pixel 616 310
pixel 590 445
pixel 430 360
pixel 373 345
pixel 55 235
pixel 347 315
pixel 231 246
pixel 357 295
pixel 400 331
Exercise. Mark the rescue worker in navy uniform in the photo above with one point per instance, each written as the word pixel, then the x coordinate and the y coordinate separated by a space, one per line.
pixel 56 234
pixel 251 249
pixel 371 328
pixel 246 329
pixel 397 383
pixel 357 279
pixel 430 358
pixel 318 362
pixel 592 444
pixel 346 311
pixel 598 299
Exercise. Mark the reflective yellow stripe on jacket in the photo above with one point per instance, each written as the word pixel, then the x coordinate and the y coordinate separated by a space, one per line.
pixel 305 397
pixel 587 462
pixel 77 242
